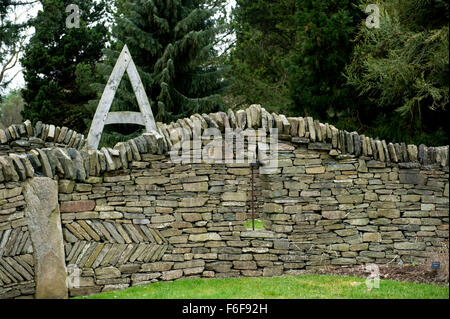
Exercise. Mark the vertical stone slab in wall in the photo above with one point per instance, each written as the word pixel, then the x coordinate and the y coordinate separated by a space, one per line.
pixel 44 223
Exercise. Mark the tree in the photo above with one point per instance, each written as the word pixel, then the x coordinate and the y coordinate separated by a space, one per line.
pixel 325 30
pixel 265 35
pixel 12 37
pixel 172 45
pixel 403 69
pixel 10 109
pixel 52 93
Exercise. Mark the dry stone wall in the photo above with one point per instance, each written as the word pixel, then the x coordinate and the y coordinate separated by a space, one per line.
pixel 131 216
pixel 16 249
pixel 19 139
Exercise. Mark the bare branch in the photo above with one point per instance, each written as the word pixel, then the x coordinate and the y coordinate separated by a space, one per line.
pixel 7 66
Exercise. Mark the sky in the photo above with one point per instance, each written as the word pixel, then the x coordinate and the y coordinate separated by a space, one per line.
pixel 18 81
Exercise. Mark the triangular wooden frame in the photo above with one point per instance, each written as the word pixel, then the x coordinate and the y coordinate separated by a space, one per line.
pixel 102 115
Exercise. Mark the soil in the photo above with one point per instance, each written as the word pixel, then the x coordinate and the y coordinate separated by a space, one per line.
pixel 409 273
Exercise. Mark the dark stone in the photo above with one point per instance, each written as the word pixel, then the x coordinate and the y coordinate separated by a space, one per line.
pixel 433 156
pixel 229 250
pixel 415 178
pixel 57 168
pixel 141 145
pixel 225 120
pixel 210 121
pixel 19 168
pixel 38 129
pixel 82 142
pixel 422 156
pixel 385 151
pixel 409 227
pixel 392 153
pixel 162 147
pixel 374 149
pixel 404 152
pixel 20 143
pixel 78 164
pixel 319 146
pixel 68 137
pixel 376 164
pixel 22 130
pixel 34 161
pixel 409 165
pixel 200 250
pixel 65 161
pixel 349 143
pixel 398 151
pixel 46 168
pixel 357 144
pixel 16 130
pixel 8 135
pixel 342 141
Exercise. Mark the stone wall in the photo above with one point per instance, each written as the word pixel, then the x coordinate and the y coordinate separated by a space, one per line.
pixel 131 216
pixel 20 139
pixel 162 221
pixel 16 249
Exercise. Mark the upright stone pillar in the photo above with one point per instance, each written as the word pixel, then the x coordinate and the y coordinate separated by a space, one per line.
pixel 44 224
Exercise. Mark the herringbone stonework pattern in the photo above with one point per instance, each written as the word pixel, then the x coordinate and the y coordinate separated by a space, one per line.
pixel 94 243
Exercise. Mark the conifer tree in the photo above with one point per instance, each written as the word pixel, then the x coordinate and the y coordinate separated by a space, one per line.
pixel 402 68
pixel 172 45
pixel 325 30
pixel 50 61
pixel 265 36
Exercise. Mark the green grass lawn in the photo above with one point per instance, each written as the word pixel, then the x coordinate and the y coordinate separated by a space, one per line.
pixel 288 287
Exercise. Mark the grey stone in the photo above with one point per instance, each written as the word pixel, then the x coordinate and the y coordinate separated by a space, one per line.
pixel 357 144
pixel 349 146
pixel 232 119
pixel 172 274
pixel 241 119
pixel 107 273
pixel 412 152
pixel 410 246
pixel 392 153
pixel 44 224
pixel 413 178
pixel 398 152
pixel 66 162
pixel 46 167
pixel 385 151
pixel 211 123
pixel 78 164
pixel 18 166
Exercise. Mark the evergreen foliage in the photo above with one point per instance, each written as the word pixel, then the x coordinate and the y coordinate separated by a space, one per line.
pixel 318 58
pixel 403 69
pixel 265 35
pixel 324 44
pixel 50 61
pixel 172 45
pixel 10 109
